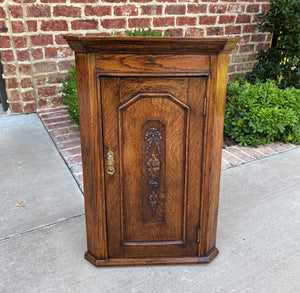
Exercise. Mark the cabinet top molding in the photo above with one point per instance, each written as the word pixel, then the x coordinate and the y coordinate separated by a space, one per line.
pixel 150 45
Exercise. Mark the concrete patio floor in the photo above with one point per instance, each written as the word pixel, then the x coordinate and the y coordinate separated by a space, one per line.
pixel 42 228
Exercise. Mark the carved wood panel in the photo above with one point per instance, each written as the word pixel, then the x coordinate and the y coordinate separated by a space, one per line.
pixel 153 166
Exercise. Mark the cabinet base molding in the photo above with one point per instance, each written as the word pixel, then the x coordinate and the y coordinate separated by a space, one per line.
pixel 151 261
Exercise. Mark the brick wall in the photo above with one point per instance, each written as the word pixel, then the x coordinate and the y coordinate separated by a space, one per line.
pixel 35 57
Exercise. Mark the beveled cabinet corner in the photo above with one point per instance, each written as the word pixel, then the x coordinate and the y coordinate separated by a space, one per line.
pixel 151 118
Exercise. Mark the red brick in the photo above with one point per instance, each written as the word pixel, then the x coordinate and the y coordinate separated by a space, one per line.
pixel 37 54
pixel 175 32
pixel 245 39
pixel 252 152
pixel 200 8
pixel 67 130
pixel 67 137
pixel 244 67
pixel 164 21
pixel 72 152
pixel 53 1
pixel 57 120
pixel 29 108
pixel 230 158
pixel 258 38
pixel 120 1
pixel 236 8
pixel 126 10
pixel 66 145
pixel 224 164
pixel 263 46
pixel 226 19
pixel 26 82
pixel 41 40
pixel 40 80
pixel 265 7
pixel 38 11
pixel 175 9
pixel 246 48
pixel 241 155
pixel 71 161
pixel 52 110
pixel 32 25
pixel 9 69
pixel 141 1
pixel 8 55
pixel 3 27
pixel 77 169
pixel 84 24
pixel 60 111
pixel 151 9
pixel 16 107
pixel 194 32
pixel 253 8
pixel 84 1
pixel 184 20
pixel 5 42
pixel 66 11
pixel 54 25
pixel 139 22
pixel 42 103
pixel 233 30
pixel 61 52
pixel 56 101
pixel 47 91
pixel 23 55
pixel 113 23
pixel 43 67
pixel 249 29
pixel 214 31
pixel 17 26
pixel 13 95
pixel 266 151
pixel 255 19
pixel 97 10
pixel 217 8
pixel 16 11
pixel 241 58
pixel 243 18
pixel 2 13
pixel 65 65
pixel 20 42
pixel 28 96
pixel 207 20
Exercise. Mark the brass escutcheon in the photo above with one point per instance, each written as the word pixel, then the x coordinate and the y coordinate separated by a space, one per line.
pixel 110 163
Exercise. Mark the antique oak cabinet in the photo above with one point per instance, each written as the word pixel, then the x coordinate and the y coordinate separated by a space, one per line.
pixel 151 120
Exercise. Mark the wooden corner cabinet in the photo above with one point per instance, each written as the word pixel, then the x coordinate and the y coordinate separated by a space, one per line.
pixel 151 120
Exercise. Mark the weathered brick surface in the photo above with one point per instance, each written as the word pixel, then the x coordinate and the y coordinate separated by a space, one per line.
pixel 32 44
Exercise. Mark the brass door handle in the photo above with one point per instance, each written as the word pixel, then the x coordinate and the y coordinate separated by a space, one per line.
pixel 110 163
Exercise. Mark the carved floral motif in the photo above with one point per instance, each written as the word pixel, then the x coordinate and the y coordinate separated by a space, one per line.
pixel 153 137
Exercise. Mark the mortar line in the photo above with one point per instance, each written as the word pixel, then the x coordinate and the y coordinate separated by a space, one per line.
pixel 33 77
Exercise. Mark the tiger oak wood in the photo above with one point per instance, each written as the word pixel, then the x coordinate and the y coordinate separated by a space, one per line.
pixel 157 104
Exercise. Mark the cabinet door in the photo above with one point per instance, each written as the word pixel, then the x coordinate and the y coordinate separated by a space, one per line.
pixel 154 127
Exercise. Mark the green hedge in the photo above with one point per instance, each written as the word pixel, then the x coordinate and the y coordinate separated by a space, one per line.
pixel 261 112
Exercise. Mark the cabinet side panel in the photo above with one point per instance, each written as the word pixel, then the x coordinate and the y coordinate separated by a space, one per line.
pixel 213 151
pixel 217 148
pixel 92 153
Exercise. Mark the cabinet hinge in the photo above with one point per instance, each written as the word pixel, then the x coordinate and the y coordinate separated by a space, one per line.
pixel 205 106
pixel 198 234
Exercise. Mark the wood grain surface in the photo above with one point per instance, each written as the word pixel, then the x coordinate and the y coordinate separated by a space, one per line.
pixel 155 106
